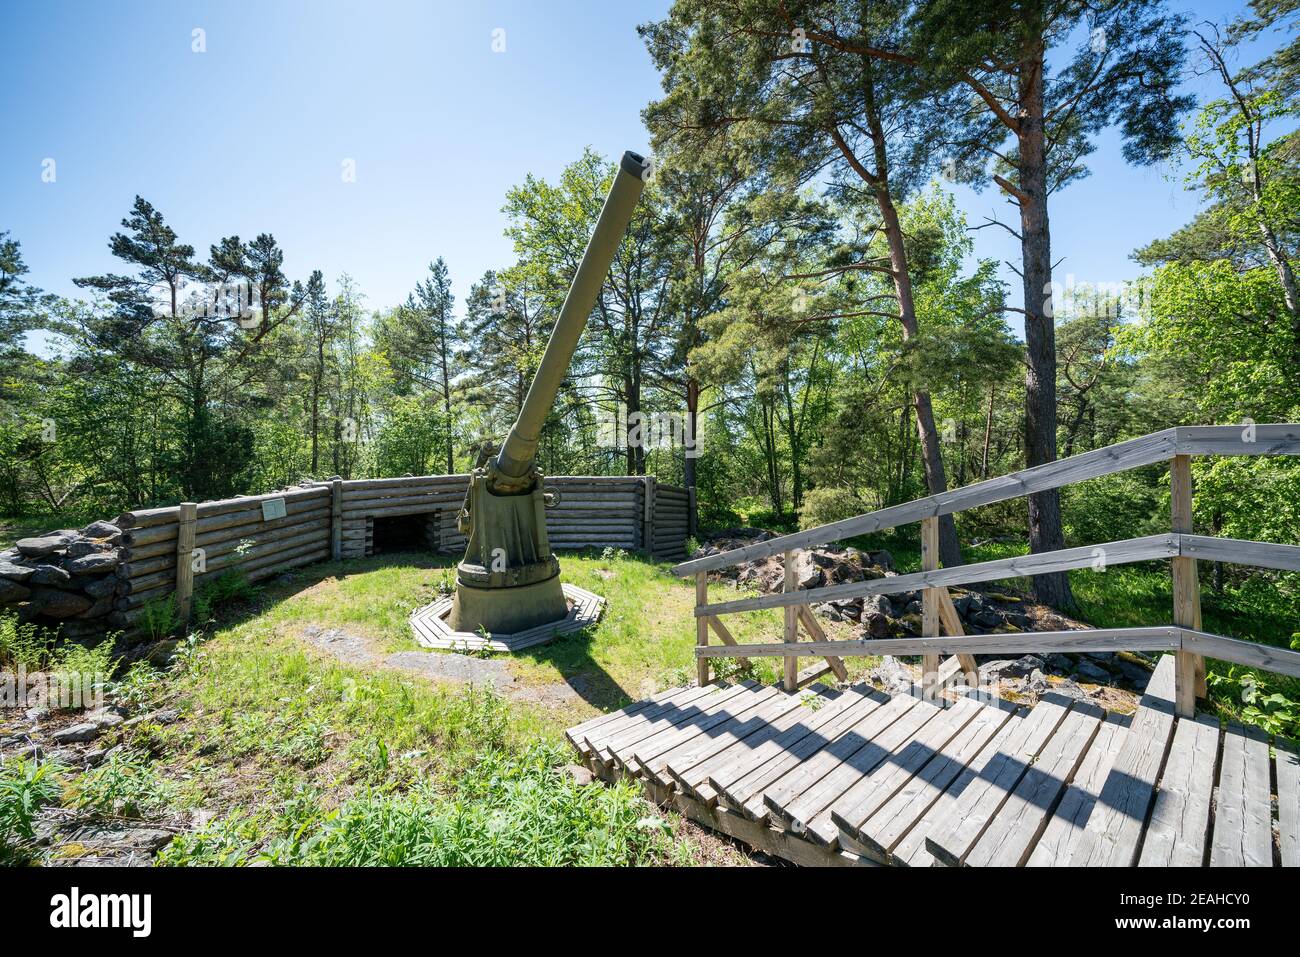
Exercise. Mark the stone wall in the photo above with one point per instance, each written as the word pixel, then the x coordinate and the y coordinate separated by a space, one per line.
pixel 65 578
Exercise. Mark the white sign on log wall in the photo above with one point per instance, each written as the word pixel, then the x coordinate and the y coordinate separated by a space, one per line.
pixel 272 508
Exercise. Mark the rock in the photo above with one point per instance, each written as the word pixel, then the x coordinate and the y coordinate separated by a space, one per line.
pixel 82 547
pixel 99 609
pixel 875 625
pixel 16 573
pixel 892 674
pixel 878 605
pixel 1091 671
pixel 1133 673
pixel 1012 668
pixel 913 607
pixel 883 559
pixel 79 628
pixel 99 587
pixel 59 604
pixel 77 733
pixel 577 774
pixel 986 618
pixel 847 572
pixel 103 719
pixel 93 759
pixel 806 573
pixel 11 591
pixel 101 530
pixel 1060 662
pixel 851 610
pixel 39 547
pixel 910 623
pixel 1037 682
pixel 166 716
pixel 97 564
pixel 1070 689
pixel 51 575
pixel 160 653
pixel 821 558
pixel 829 612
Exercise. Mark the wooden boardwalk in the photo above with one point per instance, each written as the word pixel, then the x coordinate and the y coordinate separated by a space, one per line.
pixel 856 777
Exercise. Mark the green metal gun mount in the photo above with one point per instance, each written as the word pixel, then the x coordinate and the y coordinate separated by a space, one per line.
pixel 509 580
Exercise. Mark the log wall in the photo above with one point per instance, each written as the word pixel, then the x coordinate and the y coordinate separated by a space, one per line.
pixel 338 519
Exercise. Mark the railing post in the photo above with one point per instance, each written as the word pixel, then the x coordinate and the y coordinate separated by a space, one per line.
pixel 702 627
pixel 336 519
pixel 791 624
pixel 930 605
pixel 1189 673
pixel 648 515
pixel 185 560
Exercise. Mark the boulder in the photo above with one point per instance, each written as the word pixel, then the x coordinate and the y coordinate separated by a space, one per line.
pixel 99 609
pixel 51 575
pixel 875 625
pixel 806 572
pixel 58 604
pixel 11 591
pixel 878 605
pixel 97 564
pixel 39 547
pixel 17 573
pixel 99 587
pixel 77 733
pixel 84 546
pixel 883 559
pixel 1091 671
pixel 101 530
pixel 577 774
pixel 1012 668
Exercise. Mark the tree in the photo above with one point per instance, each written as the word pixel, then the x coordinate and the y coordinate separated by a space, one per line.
pixel 202 350
pixel 1027 121
pixel 799 81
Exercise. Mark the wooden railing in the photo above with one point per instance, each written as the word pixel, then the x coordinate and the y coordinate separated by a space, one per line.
pixel 1184 636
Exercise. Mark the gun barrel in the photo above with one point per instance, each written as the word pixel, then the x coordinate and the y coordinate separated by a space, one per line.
pixel 517 455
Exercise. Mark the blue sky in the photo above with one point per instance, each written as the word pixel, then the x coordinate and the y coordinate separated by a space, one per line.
pixel 251 135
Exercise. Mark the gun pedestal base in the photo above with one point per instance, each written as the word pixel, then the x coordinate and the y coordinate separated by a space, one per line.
pixel 506 610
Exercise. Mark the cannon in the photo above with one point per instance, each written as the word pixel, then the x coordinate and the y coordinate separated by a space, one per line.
pixel 509 580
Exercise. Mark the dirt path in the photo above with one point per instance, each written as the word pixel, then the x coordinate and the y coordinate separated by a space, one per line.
pixel 441 666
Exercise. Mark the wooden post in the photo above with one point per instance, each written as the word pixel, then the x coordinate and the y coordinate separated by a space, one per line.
pixel 1189 671
pixel 929 604
pixel 184 560
pixel 336 519
pixel 791 625
pixel 648 518
pixel 702 627
pixel 691 519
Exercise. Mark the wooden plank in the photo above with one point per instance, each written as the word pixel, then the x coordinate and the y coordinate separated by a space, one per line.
pixel 1278 439
pixel 951 839
pixel 818 669
pixel 1071 815
pixel 870 792
pixel 1012 833
pixel 790 664
pixel 651 760
pixel 672 716
pixel 184 573
pixel 1180 817
pixel 1236 551
pixel 1148 548
pixel 1189 668
pixel 701 628
pixel 952 625
pixel 594 741
pixel 1278 660
pixel 735 786
pixel 1243 835
pixel 690 765
pixel 795 807
pixel 1115 825
pixel 930 605
pixel 749 752
pixel 1100 639
pixel 1156 447
pixel 721 630
pixel 1288 801
pixel 910 850
pixel 815 631
pixel 649 755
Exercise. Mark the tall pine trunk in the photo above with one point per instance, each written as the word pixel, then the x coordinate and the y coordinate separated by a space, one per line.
pixel 1045 533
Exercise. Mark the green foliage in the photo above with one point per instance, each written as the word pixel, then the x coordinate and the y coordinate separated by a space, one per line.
pixel 509 809
pixel 25 787
pixel 24 643
pixel 126 784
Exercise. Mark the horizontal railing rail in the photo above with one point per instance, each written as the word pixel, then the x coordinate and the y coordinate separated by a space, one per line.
pixel 1148 450
pixel 1185 637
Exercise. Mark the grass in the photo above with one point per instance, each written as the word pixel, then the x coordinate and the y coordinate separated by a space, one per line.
pixel 298 757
